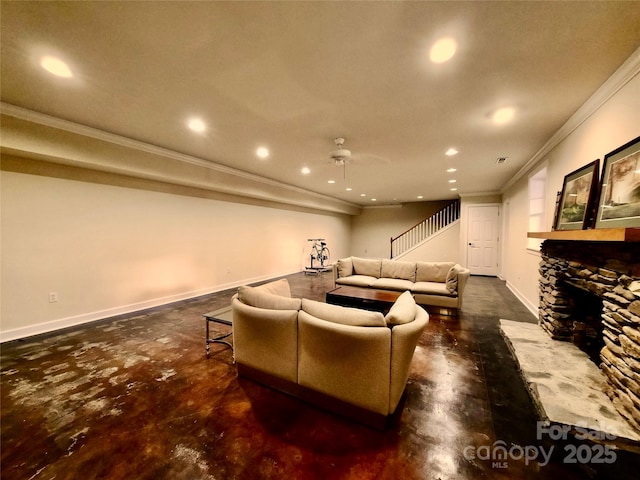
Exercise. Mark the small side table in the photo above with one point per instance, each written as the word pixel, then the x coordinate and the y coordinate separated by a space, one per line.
pixel 222 316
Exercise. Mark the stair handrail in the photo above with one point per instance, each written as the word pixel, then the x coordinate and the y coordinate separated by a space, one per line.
pixel 428 227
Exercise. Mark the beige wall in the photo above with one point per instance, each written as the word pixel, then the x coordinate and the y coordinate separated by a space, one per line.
pixel 373 229
pixel 613 124
pixel 107 249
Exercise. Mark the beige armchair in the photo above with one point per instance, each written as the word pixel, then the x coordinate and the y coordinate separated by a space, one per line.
pixel 364 366
pixel 266 339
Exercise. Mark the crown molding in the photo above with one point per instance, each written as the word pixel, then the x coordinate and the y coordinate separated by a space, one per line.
pixel 96 134
pixel 479 194
pixel 623 75
pixel 377 207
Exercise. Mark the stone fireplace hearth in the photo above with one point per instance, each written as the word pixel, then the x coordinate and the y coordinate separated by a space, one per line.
pixel 609 271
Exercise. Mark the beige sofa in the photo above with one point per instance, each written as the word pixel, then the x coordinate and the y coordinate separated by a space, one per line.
pixel 438 285
pixel 349 361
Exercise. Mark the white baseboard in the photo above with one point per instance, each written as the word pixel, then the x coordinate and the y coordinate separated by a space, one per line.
pixel 530 306
pixel 76 320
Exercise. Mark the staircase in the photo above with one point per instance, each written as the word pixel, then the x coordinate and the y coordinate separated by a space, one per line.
pixel 425 229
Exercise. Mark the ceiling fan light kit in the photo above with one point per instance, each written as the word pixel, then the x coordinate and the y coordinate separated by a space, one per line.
pixel 341 154
pixel 339 157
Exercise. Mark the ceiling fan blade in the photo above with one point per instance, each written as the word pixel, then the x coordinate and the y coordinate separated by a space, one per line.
pixel 369 159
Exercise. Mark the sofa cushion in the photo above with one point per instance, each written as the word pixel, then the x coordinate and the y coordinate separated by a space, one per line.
pixel 392 284
pixel 257 297
pixel 402 311
pixel 433 271
pixel 345 267
pixel 432 288
pixel 366 266
pixel 343 315
pixel 452 279
pixel 277 287
pixel 398 269
pixel 357 280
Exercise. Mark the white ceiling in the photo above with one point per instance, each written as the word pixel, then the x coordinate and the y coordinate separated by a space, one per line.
pixel 292 76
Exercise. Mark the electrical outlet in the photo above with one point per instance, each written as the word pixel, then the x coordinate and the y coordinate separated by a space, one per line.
pixel 53 297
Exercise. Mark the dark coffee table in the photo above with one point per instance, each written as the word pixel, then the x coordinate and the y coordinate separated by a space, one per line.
pixel 365 298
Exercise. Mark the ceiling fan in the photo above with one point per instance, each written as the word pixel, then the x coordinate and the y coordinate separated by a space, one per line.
pixel 341 157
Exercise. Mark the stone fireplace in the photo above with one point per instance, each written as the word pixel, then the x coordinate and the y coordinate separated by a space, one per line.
pixel 590 294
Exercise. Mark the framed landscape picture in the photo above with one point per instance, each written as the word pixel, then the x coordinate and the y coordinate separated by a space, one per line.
pixel 578 198
pixel 619 204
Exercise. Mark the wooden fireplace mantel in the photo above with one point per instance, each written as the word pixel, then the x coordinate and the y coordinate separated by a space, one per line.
pixel 594 235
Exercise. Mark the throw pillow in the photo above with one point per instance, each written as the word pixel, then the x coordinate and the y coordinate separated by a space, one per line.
pixel 258 298
pixel 402 311
pixel 452 279
pixel 343 315
pixel 345 267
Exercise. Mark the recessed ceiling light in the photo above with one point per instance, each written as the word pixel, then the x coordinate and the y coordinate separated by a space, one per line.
pixel 348 189
pixel 420 196
pixel 197 125
pixel 452 181
pixel 374 199
pixel 262 152
pixel 442 50
pixel 56 66
pixel 451 170
pixel 453 189
pixel 305 170
pixel 331 181
pixel 363 194
pixel 503 115
pixel 451 152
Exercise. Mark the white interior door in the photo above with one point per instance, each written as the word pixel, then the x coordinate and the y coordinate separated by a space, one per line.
pixel 482 239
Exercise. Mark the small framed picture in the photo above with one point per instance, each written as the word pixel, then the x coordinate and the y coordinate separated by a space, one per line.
pixel 578 199
pixel 619 204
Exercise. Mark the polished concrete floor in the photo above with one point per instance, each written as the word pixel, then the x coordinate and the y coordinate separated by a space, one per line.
pixel 136 398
